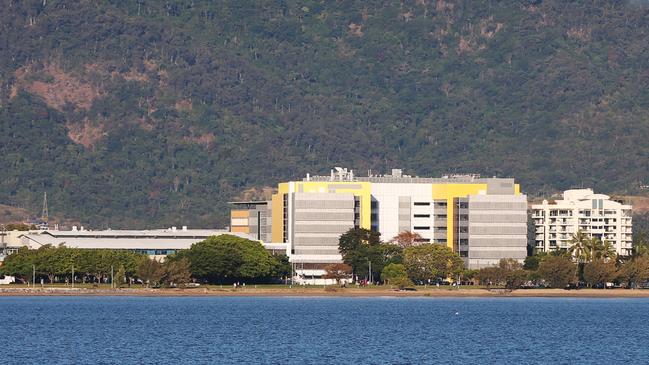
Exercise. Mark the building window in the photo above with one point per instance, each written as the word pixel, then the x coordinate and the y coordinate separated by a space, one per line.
pixel 422 203
pixel 422 215
pixel 422 228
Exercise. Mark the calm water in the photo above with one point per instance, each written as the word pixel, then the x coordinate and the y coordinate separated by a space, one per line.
pixel 122 330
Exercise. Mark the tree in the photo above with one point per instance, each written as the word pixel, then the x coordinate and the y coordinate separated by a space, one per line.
pixel 150 271
pixel 359 247
pixel 338 272
pixel 395 274
pixel 120 277
pixel 599 271
pixel 585 248
pixel 431 262
pixel 470 274
pixel 355 238
pixel 228 258
pixel 176 272
pixel 406 239
pixel 46 263
pixel 509 272
pixel 281 267
pixel 512 273
pixel 18 227
pixel 557 271
pixel 640 244
pixel 490 276
pixel 19 263
pixel 531 263
pixel 606 251
pixel 580 247
pixel 636 270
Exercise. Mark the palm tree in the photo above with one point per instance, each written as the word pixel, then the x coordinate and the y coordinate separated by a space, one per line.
pixel 581 247
pixel 640 250
pixel 607 251
pixel 640 244
pixel 594 246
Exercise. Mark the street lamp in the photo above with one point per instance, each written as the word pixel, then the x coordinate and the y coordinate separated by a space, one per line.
pixel 3 229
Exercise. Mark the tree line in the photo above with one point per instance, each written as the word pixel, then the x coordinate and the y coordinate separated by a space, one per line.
pixel 405 261
pixel 587 262
pixel 217 259
pixel 401 262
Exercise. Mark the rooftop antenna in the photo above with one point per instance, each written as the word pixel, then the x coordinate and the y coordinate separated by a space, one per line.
pixel 45 214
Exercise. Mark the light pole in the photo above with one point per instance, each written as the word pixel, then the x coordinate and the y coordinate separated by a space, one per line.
pixel 370 271
pixel 3 233
pixel 72 276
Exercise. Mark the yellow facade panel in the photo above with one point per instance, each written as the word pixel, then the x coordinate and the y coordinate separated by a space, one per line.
pixel 239 214
pixel 240 229
pixel 449 192
pixel 277 206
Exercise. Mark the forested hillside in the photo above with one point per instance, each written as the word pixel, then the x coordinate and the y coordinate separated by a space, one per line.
pixel 150 113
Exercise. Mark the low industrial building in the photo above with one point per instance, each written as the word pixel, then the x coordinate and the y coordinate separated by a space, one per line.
pixel 482 219
pixel 156 243
pixel 555 222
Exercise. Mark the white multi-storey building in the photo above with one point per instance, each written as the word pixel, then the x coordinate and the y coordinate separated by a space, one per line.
pixel 482 219
pixel 597 215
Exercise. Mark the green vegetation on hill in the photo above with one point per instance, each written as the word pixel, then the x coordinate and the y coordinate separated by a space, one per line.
pixel 150 113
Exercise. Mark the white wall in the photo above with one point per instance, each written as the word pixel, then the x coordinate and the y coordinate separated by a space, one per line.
pixel 387 196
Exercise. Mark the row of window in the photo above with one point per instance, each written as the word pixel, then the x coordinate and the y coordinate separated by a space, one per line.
pixel 156 252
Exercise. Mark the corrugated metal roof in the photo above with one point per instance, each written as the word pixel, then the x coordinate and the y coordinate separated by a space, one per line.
pixel 141 233
pixel 123 239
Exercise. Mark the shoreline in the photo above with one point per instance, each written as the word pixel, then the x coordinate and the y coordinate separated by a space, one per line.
pixel 321 292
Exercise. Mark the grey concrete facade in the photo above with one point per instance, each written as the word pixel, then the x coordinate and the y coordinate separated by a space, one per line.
pixel 497 229
pixel 319 219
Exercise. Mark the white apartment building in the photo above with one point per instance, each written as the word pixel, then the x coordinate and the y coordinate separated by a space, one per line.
pixel 597 215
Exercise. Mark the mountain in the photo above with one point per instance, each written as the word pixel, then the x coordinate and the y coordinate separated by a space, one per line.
pixel 152 113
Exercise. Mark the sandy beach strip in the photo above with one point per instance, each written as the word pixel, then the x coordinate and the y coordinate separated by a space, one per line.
pixel 322 292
